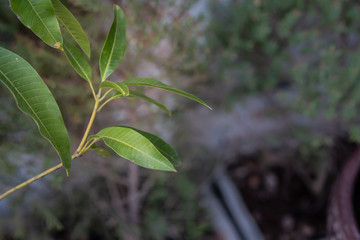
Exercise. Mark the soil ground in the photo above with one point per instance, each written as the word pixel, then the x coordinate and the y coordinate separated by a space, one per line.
pixel 280 195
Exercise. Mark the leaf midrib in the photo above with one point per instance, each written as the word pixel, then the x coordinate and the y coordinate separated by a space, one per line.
pixel 131 146
pixel 70 30
pixel 87 77
pixel 112 48
pixel 114 86
pixel 53 141
pixel 41 20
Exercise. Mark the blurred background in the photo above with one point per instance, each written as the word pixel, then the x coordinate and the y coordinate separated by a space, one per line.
pixel 282 79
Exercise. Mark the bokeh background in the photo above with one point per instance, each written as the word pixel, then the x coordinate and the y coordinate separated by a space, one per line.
pixel 281 77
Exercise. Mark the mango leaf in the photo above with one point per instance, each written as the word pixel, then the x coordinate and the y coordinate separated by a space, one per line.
pixel 39 16
pixel 34 98
pixel 101 151
pixel 136 94
pixel 122 88
pixel 164 148
pixel 77 60
pixel 72 25
pixel 157 84
pixel 115 45
pixel 133 146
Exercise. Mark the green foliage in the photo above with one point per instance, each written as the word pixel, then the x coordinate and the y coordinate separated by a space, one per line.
pixel 72 25
pixel 157 84
pixel 182 193
pixel 253 45
pixel 101 151
pixel 164 148
pixel 134 146
pixel 39 16
pixel 115 45
pixel 34 98
pixel 331 85
pixel 247 39
pixel 78 61
pixel 121 87
pixel 309 47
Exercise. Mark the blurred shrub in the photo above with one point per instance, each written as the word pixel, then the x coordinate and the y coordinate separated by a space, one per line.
pixel 256 43
pixel 183 216
pixel 311 47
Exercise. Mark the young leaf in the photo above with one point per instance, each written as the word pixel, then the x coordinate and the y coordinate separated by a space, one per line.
pixel 164 148
pixel 115 45
pixel 157 84
pixel 34 98
pixel 72 25
pixel 146 98
pixel 122 88
pixel 133 146
pixel 39 16
pixel 77 60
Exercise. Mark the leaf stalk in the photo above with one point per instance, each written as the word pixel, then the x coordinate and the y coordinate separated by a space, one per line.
pixel 80 150
pixel 31 180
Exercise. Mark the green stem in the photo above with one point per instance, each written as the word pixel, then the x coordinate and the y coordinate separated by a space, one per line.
pixel 31 180
pixel 92 90
pixel 103 97
pixel 103 105
pixel 86 147
pixel 91 121
pixel 79 150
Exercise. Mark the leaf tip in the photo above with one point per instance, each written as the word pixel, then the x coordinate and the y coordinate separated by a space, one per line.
pixel 171 168
pixel 204 104
pixel 67 172
pixel 57 45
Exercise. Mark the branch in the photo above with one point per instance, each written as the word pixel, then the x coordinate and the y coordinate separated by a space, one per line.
pixel 30 181
pixel 79 150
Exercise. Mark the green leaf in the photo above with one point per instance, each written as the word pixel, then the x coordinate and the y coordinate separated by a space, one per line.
pixel 77 60
pixel 101 151
pixel 34 98
pixel 146 98
pixel 164 148
pixel 133 146
pixel 157 84
pixel 72 25
pixel 122 88
pixel 115 45
pixel 39 16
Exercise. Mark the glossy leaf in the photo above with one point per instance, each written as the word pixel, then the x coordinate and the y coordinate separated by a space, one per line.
pixel 34 98
pixel 157 84
pixel 115 45
pixel 164 148
pixel 77 60
pixel 133 146
pixel 39 16
pixel 122 88
pixel 72 25
pixel 136 94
